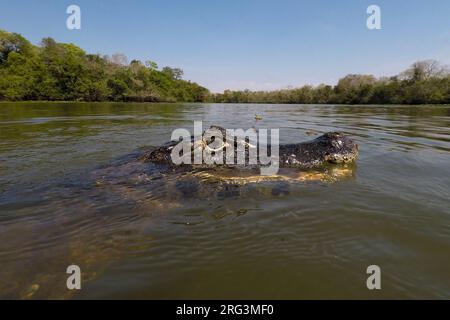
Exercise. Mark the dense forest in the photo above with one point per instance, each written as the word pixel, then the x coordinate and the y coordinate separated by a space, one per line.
pixel 425 82
pixel 60 71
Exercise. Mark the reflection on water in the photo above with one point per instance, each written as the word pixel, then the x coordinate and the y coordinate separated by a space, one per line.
pixel 70 195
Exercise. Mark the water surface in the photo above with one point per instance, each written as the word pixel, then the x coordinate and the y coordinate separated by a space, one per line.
pixel 313 241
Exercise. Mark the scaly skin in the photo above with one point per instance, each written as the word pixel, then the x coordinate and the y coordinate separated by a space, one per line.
pixel 332 147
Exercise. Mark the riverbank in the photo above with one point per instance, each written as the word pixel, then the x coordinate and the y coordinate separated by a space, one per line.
pixel 4 102
pixel 55 71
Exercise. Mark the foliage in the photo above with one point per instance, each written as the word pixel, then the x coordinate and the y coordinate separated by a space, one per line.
pixel 59 71
pixel 424 82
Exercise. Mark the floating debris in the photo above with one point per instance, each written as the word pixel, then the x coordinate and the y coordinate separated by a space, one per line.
pixel 31 291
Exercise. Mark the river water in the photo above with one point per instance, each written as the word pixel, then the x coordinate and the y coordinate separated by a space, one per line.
pixel 314 241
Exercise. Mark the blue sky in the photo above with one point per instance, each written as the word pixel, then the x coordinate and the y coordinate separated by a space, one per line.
pixel 254 44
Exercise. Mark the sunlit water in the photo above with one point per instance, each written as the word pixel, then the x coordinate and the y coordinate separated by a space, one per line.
pixel 313 241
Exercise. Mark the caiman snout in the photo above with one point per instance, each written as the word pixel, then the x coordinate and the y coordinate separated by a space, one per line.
pixel 338 147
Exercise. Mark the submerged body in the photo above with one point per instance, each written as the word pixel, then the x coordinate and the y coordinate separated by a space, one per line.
pixel 152 185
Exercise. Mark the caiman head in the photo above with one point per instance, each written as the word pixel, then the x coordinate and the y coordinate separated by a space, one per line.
pixel 337 147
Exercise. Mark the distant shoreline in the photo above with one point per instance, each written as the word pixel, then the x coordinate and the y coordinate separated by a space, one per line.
pixel 224 103
pixel 56 71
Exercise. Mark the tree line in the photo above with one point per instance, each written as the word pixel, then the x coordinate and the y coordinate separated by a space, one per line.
pixel 60 71
pixel 425 82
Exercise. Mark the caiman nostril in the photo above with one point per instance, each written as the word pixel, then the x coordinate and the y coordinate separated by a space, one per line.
pixel 337 143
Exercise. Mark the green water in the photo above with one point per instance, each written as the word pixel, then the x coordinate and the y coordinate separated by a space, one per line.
pixel 314 241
